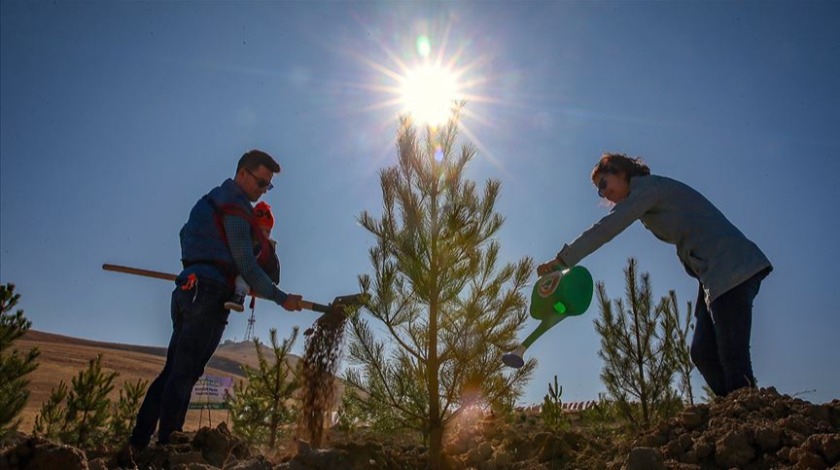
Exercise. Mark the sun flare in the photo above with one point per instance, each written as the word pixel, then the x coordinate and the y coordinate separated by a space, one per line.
pixel 428 93
pixel 426 77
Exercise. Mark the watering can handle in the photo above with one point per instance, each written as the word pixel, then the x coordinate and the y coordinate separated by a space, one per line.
pixel 550 267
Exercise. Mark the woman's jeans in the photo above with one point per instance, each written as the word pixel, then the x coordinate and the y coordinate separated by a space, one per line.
pixel 198 321
pixel 721 345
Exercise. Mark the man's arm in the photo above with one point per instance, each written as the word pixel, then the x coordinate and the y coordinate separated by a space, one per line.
pixel 239 240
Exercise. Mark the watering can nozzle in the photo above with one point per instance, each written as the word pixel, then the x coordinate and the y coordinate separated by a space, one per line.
pixel 514 358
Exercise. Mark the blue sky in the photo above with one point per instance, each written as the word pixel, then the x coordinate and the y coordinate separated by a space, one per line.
pixel 116 117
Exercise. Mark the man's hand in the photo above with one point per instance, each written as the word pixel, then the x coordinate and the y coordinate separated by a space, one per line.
pixel 292 302
pixel 550 266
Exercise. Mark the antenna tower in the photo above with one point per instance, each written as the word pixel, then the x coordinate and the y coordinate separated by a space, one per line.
pixel 249 332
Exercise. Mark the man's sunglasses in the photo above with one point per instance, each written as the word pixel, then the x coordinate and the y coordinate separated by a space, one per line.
pixel 261 182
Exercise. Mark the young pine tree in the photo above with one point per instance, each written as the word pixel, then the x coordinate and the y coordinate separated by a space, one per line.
pixel 124 411
pixel 14 366
pixel 681 342
pixel 635 346
pixel 51 420
pixel 552 408
pixel 445 304
pixel 88 405
pixel 259 408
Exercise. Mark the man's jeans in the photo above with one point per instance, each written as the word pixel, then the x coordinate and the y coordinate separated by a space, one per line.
pixel 198 321
pixel 721 345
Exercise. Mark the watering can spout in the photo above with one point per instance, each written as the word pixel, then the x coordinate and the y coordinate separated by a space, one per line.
pixel 514 358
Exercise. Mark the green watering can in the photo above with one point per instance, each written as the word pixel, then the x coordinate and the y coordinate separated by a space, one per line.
pixel 556 295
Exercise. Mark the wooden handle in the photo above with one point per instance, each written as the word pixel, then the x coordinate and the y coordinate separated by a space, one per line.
pixel 316 307
pixel 139 272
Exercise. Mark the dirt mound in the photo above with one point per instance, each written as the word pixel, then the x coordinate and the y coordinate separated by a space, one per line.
pixel 750 429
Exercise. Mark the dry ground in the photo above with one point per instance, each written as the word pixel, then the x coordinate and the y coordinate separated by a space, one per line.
pixel 62 357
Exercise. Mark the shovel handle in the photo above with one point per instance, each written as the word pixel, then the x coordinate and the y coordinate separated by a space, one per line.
pixel 315 307
pixel 139 272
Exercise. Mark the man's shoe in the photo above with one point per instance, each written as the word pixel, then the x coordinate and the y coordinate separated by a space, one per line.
pixel 236 303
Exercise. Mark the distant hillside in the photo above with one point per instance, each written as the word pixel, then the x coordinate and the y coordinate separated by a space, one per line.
pixel 62 357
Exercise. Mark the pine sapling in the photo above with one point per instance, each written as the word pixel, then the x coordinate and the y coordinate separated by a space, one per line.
pixel 125 410
pixel 88 405
pixel 51 420
pixel 14 366
pixel 552 408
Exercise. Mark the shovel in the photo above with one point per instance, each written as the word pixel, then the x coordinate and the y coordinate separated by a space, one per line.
pixel 342 305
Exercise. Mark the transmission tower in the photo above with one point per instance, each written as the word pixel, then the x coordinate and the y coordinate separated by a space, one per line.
pixel 249 332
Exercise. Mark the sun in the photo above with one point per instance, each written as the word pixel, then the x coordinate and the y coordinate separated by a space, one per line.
pixel 429 76
pixel 428 93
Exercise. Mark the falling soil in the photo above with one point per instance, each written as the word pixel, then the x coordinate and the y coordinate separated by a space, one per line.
pixel 320 363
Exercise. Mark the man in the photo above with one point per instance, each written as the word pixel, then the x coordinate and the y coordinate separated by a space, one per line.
pixel 218 242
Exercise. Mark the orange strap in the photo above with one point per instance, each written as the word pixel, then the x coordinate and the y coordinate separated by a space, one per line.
pixel 192 280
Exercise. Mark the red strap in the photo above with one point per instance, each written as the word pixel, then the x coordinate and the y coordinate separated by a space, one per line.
pixel 191 281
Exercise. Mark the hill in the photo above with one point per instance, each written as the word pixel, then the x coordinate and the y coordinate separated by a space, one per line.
pixel 62 357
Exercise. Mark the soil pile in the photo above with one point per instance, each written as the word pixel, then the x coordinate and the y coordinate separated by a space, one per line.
pixel 752 429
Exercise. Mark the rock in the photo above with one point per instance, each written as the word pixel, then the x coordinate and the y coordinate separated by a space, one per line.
pixel 703 448
pixel 575 440
pixel 768 438
pixel 733 450
pixel 360 454
pixel 783 455
pixel 693 417
pixel 807 460
pixel 645 458
pixel 651 440
pixel 796 424
pixel 462 444
pixel 679 446
pixel 218 446
pixel 180 437
pixel 485 450
pixel 321 459
pixel 480 454
pixel 100 463
pixel 826 445
pixel 503 458
pixel 258 463
pixel 186 458
pixel 36 453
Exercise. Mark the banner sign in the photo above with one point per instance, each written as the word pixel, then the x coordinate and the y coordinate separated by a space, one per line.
pixel 211 392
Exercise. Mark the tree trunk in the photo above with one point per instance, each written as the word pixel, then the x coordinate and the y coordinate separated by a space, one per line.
pixel 435 421
pixel 273 431
pixel 436 444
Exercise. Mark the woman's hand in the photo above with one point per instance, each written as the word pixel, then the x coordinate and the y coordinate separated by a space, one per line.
pixel 550 266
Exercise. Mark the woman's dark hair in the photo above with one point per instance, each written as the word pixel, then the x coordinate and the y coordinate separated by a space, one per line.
pixel 252 160
pixel 620 163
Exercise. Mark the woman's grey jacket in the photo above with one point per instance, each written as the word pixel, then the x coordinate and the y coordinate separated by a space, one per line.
pixel 709 246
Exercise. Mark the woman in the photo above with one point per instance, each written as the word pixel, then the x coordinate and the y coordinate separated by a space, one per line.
pixel 728 266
